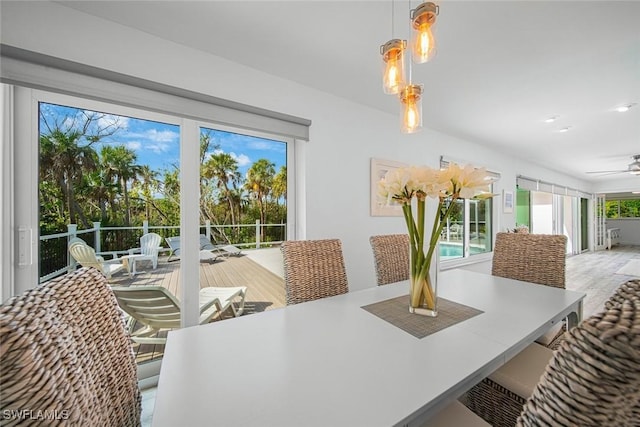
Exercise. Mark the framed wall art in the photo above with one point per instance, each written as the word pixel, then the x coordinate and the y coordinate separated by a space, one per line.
pixel 507 201
pixel 379 207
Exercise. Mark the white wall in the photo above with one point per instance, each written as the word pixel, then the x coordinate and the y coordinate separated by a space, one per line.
pixel 344 135
pixel 629 229
pixel 624 184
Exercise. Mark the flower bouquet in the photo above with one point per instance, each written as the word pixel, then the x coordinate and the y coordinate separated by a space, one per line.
pixel 403 185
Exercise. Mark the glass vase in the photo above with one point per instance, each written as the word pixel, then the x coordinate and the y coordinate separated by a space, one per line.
pixel 423 281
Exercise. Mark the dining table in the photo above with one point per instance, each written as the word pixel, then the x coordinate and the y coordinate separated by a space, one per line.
pixel 338 362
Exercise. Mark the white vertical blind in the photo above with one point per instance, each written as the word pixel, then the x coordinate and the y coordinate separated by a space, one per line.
pixel 533 184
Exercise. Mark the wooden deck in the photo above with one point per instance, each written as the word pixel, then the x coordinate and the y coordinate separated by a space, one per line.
pixel 265 290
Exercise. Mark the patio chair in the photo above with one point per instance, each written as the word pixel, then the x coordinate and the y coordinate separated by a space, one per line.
pixel 500 398
pixel 391 256
pixel 224 250
pixel 174 246
pixel 455 231
pixel 159 310
pixel 148 250
pixel 313 269
pixel 86 256
pixel 65 348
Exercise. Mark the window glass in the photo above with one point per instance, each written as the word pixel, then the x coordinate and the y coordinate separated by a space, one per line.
pixel 456 235
pixel 243 188
pixel 627 208
pixel 105 178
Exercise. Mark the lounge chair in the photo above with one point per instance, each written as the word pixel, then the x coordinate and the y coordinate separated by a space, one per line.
pixel 148 250
pixel 225 250
pixel 158 310
pixel 86 256
pixel 208 251
pixel 174 246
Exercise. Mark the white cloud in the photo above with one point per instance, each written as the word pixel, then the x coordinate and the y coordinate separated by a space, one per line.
pixel 134 145
pixel 242 159
pixel 158 148
pixel 162 136
pixel 111 120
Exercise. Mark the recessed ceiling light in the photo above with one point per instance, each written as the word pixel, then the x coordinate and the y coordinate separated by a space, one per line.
pixel 625 108
pixel 635 192
pixel 565 129
pixel 551 119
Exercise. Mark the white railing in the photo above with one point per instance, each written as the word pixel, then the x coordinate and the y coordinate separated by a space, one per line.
pixel 613 237
pixel 97 231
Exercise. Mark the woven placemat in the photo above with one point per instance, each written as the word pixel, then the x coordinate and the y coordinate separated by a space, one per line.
pixel 396 312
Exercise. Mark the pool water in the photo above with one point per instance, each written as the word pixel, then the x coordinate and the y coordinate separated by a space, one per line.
pixel 453 250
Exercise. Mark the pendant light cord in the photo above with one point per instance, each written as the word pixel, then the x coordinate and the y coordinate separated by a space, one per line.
pixel 409 47
pixel 392 18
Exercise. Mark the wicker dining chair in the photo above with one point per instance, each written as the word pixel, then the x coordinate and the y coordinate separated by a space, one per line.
pixel 537 258
pixel 594 377
pixel 391 257
pixel 313 269
pixel 499 399
pixel 65 354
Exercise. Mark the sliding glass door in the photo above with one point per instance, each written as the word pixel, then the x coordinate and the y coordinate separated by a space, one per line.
pixel 548 213
pixel 108 174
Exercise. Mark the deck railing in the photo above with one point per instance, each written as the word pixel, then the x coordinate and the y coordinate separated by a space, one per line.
pixel 116 241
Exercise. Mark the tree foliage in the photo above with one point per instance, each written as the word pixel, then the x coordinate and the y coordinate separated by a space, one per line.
pixel 84 179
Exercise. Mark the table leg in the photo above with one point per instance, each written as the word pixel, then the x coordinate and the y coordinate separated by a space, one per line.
pixel 575 317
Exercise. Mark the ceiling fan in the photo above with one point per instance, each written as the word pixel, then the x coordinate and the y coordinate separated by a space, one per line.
pixel 633 168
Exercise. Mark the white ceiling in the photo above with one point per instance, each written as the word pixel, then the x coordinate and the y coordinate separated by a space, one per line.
pixel 502 67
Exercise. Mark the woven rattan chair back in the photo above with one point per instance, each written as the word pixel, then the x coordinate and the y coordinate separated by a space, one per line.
pixel 391 257
pixel 313 269
pixel 626 291
pixel 594 377
pixel 65 354
pixel 537 258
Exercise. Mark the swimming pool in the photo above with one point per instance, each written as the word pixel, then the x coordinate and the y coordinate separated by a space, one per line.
pixel 454 250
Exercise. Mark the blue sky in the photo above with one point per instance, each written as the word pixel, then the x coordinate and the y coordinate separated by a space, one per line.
pixel 158 144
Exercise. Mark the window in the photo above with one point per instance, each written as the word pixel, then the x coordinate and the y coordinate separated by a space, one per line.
pixel 548 208
pixel 469 228
pixel 625 208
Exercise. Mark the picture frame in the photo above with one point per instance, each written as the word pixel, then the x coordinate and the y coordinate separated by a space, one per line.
pixel 379 168
pixel 507 201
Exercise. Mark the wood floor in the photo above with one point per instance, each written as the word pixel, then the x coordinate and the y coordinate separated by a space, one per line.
pixel 265 290
pixel 595 274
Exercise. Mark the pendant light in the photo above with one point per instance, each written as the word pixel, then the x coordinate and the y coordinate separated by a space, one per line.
pixel 411 100
pixel 392 52
pixel 393 62
pixel 423 18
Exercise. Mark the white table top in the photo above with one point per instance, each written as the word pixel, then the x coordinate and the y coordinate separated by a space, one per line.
pixel 331 363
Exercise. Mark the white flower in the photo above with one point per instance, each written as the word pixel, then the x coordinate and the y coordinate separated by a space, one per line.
pixel 402 184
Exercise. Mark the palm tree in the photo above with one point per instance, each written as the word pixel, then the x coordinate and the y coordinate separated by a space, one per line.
pixel 259 182
pixel 223 168
pixel 64 161
pixel 102 191
pixel 149 185
pixel 279 187
pixel 67 155
pixel 119 163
